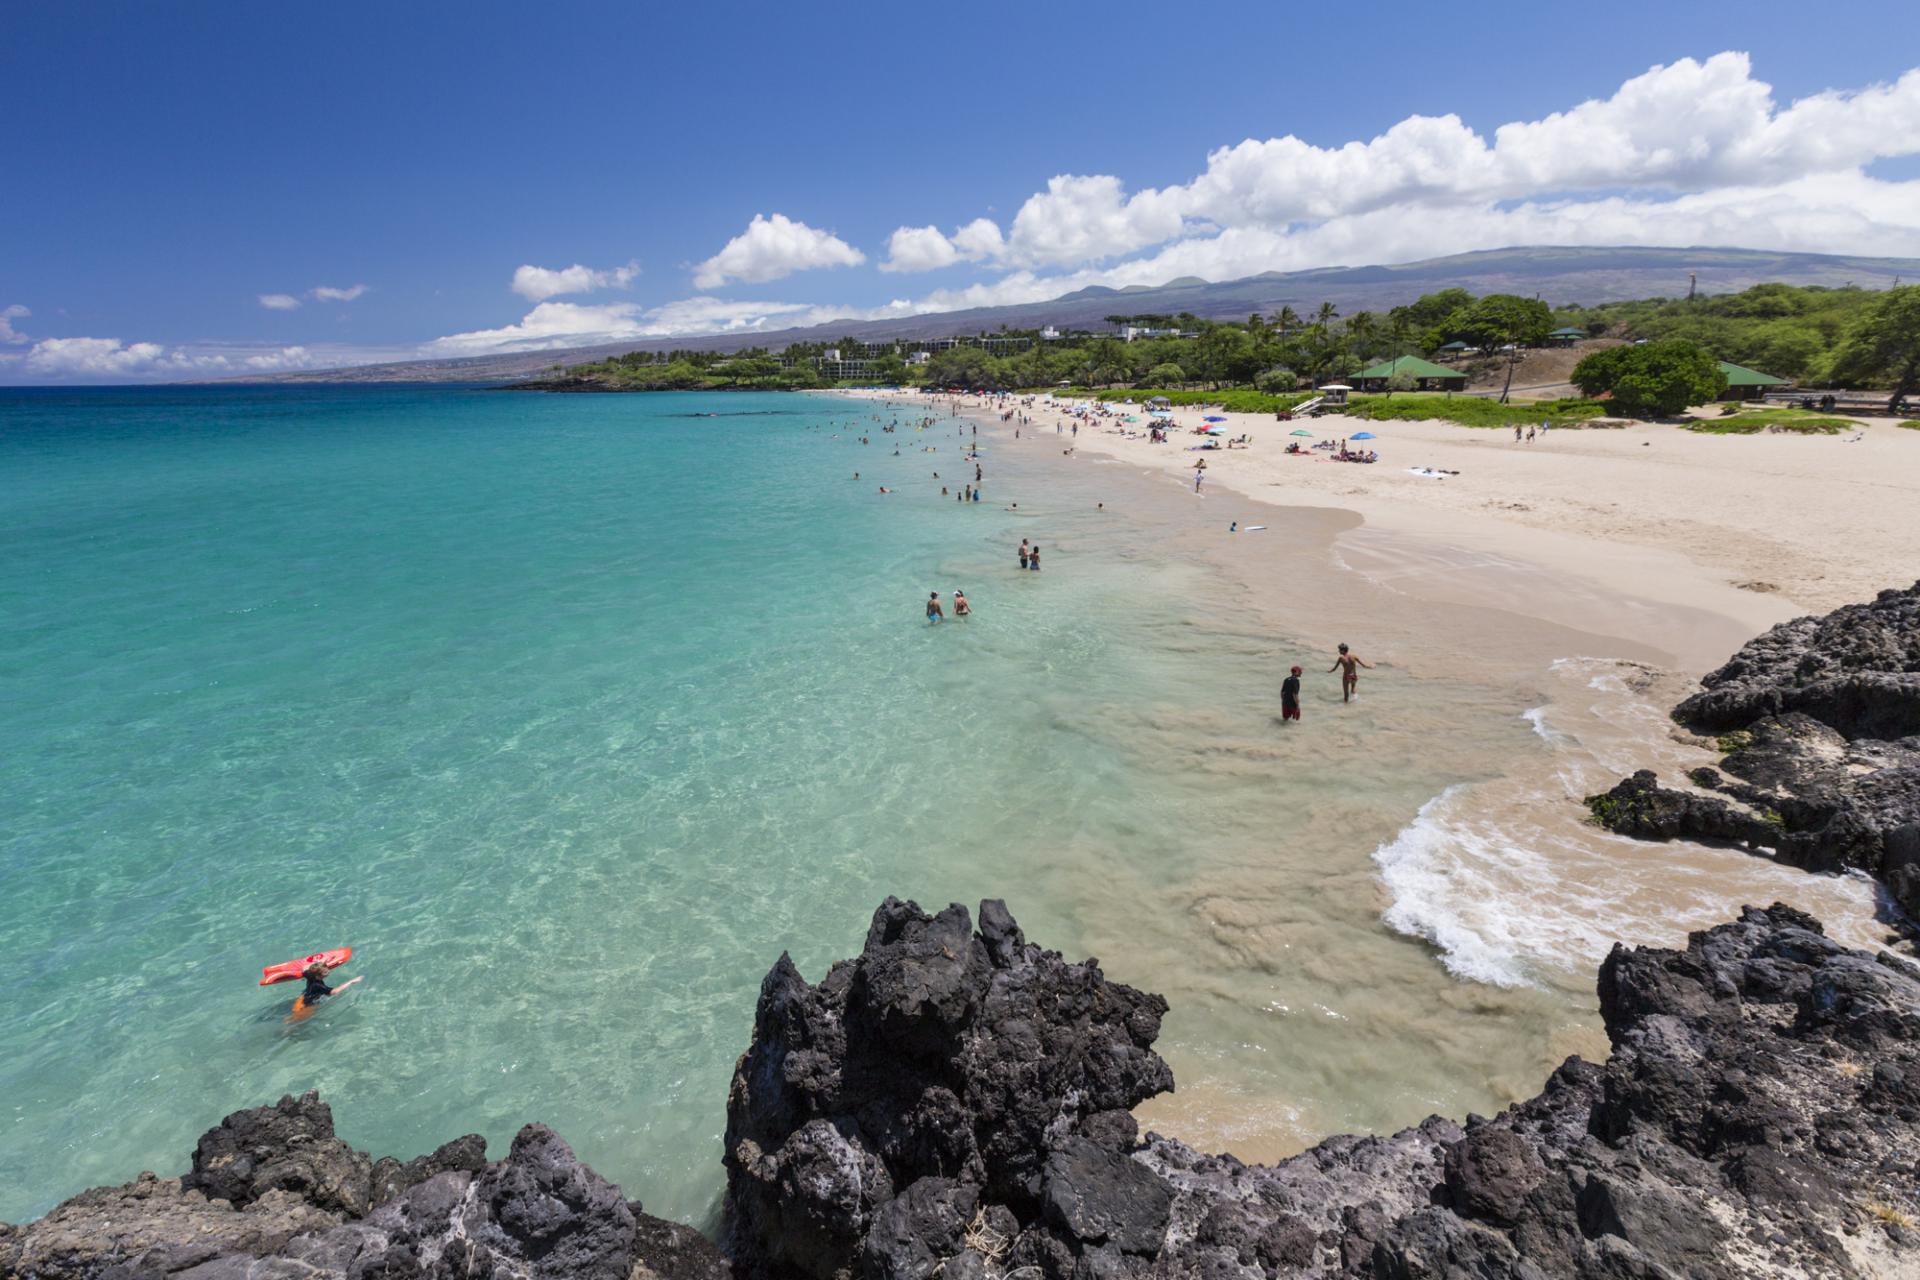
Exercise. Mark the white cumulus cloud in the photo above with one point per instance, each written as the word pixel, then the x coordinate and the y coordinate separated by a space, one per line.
pixel 537 284
pixel 772 248
pixel 111 359
pixel 92 357
pixel 1687 153
pixel 279 301
pixel 928 249
pixel 1692 152
pixel 8 334
pixel 328 293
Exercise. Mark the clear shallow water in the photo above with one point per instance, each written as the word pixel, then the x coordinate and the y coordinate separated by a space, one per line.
pixel 572 712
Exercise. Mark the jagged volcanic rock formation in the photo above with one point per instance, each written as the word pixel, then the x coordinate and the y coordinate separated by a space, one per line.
pixel 954 1104
pixel 1820 720
pixel 274 1195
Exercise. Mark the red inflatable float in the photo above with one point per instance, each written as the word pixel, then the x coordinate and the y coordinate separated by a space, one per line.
pixel 289 970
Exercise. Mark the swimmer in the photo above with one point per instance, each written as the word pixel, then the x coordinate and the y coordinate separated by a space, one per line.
pixel 1290 696
pixel 316 991
pixel 960 606
pixel 934 612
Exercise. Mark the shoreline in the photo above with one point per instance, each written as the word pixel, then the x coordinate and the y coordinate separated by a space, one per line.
pixel 1500 873
pixel 1750 529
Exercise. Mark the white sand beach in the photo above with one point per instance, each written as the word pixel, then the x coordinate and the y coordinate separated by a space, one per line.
pixel 1754 528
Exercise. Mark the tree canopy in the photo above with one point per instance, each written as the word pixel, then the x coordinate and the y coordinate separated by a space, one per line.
pixel 1884 346
pixel 1653 379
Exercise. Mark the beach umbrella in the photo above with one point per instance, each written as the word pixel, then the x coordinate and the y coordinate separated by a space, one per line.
pixel 1215 430
pixel 1213 417
pixel 1301 431
pixel 1132 418
pixel 1363 435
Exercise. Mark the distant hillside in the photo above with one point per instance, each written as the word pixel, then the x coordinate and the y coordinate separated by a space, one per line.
pixel 1557 275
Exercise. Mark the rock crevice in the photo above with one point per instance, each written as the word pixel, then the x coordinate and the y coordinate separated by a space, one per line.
pixel 1818 721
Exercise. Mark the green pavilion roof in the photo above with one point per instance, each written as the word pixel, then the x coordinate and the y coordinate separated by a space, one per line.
pixel 1413 365
pixel 1740 376
pixel 1568 332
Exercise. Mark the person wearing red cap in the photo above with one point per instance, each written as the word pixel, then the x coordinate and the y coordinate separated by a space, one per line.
pixel 1290 696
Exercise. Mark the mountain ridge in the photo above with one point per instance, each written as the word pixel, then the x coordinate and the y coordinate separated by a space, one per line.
pixel 1560 274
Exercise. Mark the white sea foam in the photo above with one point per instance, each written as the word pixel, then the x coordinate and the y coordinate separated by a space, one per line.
pixel 1537 717
pixel 1425 871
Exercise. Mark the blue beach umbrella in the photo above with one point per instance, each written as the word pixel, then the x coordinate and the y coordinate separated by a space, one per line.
pixel 1213 417
pixel 1364 435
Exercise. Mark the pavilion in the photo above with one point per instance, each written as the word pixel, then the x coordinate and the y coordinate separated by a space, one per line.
pixel 1427 375
pixel 1750 384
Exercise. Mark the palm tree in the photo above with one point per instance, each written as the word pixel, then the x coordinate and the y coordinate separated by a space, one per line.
pixel 1287 319
pixel 1326 315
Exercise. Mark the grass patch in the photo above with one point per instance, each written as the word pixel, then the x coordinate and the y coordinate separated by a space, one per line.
pixel 1743 420
pixel 1472 411
pixel 1891 1215
pixel 1732 742
pixel 1231 399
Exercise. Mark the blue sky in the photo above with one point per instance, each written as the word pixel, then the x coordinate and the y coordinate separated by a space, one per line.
pixel 168 167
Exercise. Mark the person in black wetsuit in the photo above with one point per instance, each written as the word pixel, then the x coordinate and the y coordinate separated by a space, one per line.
pixel 317 989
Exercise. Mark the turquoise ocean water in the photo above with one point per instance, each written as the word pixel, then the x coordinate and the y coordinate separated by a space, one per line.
pixel 570 713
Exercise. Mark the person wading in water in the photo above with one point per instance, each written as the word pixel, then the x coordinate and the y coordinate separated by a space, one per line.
pixel 1348 664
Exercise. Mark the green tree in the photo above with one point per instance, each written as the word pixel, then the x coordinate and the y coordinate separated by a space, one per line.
pixel 1224 353
pixel 1884 347
pixel 890 369
pixel 966 367
pixel 1106 360
pixel 1166 375
pixel 1501 320
pixel 1428 310
pixel 1652 379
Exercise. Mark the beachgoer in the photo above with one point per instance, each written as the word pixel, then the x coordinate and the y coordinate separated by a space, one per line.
pixel 976 495
pixel 316 989
pixel 1024 553
pixel 960 606
pixel 1033 559
pixel 934 612
pixel 1348 664
pixel 1290 696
